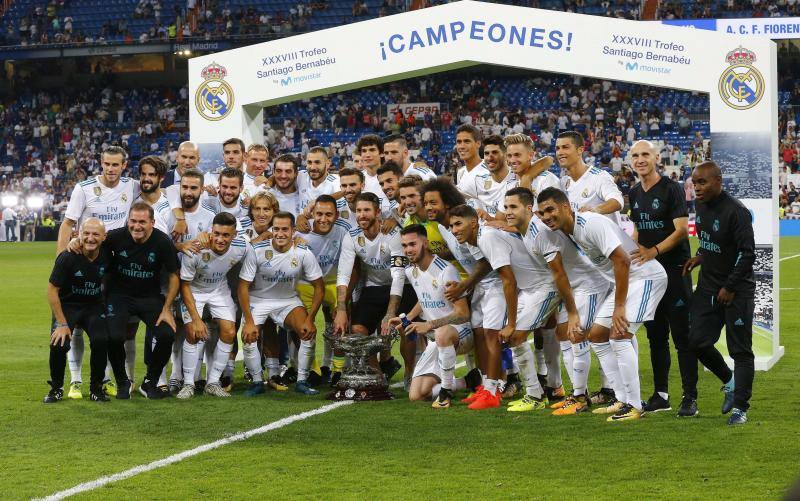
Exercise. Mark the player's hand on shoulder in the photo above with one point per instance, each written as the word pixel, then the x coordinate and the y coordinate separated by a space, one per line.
pixel 211 190
pixel 454 290
pixel 75 246
pixel 388 225
pixel 301 224
pixel 205 239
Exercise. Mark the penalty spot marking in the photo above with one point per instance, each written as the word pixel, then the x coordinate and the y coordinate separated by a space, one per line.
pixel 175 458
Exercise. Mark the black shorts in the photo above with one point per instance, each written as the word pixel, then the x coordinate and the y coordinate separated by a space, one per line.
pixel 371 307
pixel 89 317
pixel 121 308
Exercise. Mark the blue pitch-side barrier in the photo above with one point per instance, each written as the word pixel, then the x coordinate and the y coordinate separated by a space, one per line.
pixel 790 227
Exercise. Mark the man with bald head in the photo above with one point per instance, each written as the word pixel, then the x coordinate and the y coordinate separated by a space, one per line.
pixel 75 296
pixel 660 218
pixel 725 294
pixel 188 158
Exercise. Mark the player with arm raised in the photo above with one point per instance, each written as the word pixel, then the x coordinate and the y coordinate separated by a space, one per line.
pixel 446 323
pixel 204 283
pixel 267 289
pixel 637 290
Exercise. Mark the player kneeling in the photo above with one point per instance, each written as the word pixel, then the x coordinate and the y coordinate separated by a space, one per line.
pixel 204 283
pixel 447 328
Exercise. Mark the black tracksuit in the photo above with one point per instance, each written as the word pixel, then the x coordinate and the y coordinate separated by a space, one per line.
pixel 653 212
pixel 727 248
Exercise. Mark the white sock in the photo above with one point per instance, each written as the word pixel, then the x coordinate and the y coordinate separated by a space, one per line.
pixel 663 395
pixel 130 358
pixel 523 357
pixel 541 365
pixel 551 358
pixel 608 360
pixel 604 382
pixel 628 370
pixel 198 365
pixel 189 352
pixel 514 369
pixel 327 357
pixel 176 359
pixel 222 353
pixel 447 362
pixel 305 357
pixel 162 379
pixel 490 385
pixel 459 384
pixel 469 360
pixel 75 356
pixel 109 376
pixel 230 366
pixel 293 349
pixel 581 364
pixel 252 360
pixel 273 367
pixel 566 353
pixel 435 391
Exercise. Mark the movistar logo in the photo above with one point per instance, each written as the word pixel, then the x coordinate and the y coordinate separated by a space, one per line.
pixel 632 66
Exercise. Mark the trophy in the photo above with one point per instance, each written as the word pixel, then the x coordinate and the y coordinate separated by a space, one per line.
pixel 360 381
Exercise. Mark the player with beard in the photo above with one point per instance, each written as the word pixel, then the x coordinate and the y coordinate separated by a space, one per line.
pixel 638 288
pixel 381 269
pixel 490 189
pixel 198 218
pixel 325 242
pixel 446 323
pixel 589 189
pixel 267 289
pixel 468 146
pixel 409 200
pixel 204 283
pixel 438 197
pixel 283 183
pixel 395 149
pixel 352 183
pixel 316 179
pixel 529 173
pixel 106 197
pixel 227 196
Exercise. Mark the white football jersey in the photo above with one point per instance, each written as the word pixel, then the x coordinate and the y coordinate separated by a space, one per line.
pixel 492 194
pixel 593 188
pixel 309 192
pixel 422 172
pixel 91 198
pixel 327 248
pixel 388 208
pixel 598 237
pixel 249 184
pixel 197 221
pixel 582 275
pixel 541 182
pixel 466 179
pixel 502 248
pixel 274 275
pixel 429 286
pixel 215 203
pixel 207 271
pixel 161 199
pixel 288 202
pixel 383 259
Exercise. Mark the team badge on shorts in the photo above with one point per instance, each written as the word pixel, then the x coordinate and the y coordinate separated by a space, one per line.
pixel 206 257
pixel 97 191
pixel 362 241
pixel 214 97
pixel 268 255
pixel 741 86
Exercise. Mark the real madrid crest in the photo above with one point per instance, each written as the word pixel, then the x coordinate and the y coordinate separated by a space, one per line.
pixel 741 86
pixel 206 257
pixel 268 255
pixel 585 193
pixel 435 283
pixel 382 249
pixel 361 240
pixel 487 184
pixel 294 262
pixel 344 214
pixel 214 97
pixel 415 272
pixel 97 191
pixel 124 197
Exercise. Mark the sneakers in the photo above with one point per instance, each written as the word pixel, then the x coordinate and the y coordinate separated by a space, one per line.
pixel 289 376
pixel 276 384
pixel 99 395
pixel 174 386
pixel 226 382
pixel 75 390
pixel 247 376
pixel 124 390
pixel 657 403
pixel 554 395
pixel 254 389
pixel 186 392
pixel 485 400
pixel 390 368
pixel 512 387
pixel 602 396
pixel 110 387
pixel 149 390
pixel 573 405
pixel 335 377
pixel 626 413
pixel 727 403
pixel 738 416
pixel 473 379
pixel 443 400
pixel 688 407
pixel 54 395
pixel 215 390
pixel 612 408
pixel 472 396
pixel 304 388
pixel 527 404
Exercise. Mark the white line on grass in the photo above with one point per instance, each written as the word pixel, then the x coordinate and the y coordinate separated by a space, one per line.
pixel 789 257
pixel 100 482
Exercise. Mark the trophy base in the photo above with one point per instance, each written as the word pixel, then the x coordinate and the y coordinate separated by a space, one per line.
pixel 364 394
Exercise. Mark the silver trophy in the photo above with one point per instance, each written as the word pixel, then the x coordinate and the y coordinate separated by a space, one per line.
pixel 360 381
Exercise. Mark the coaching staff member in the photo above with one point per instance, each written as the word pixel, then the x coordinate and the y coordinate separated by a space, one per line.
pixel 76 299
pixel 726 288
pixel 140 254
pixel 661 221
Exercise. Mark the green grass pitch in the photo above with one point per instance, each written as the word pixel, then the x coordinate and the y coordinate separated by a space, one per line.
pixel 384 450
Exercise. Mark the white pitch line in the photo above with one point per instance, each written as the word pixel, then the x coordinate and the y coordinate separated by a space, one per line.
pixel 789 257
pixel 175 458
